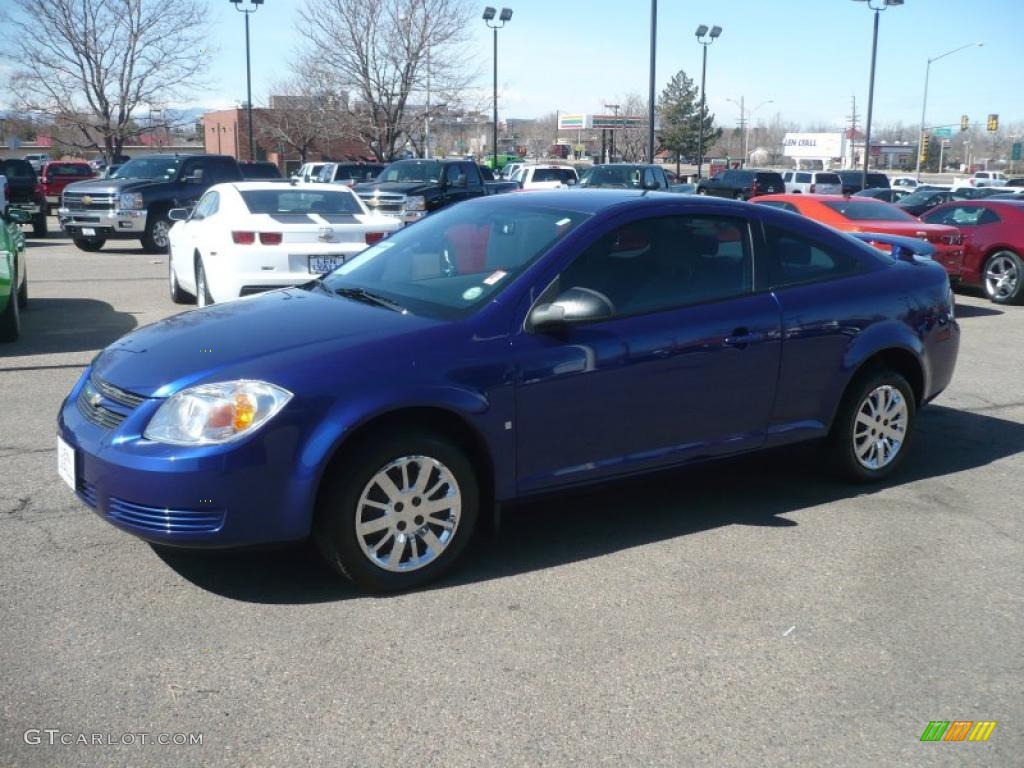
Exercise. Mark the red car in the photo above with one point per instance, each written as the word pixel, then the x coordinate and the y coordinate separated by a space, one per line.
pixel 56 175
pixel 864 214
pixel 993 232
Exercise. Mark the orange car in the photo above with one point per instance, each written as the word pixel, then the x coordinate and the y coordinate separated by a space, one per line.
pixel 867 215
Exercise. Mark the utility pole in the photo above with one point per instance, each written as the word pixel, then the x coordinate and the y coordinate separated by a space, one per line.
pixel 852 117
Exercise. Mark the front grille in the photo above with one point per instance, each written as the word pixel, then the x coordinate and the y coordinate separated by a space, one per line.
pixel 162 520
pixel 384 203
pixel 97 409
pixel 86 492
pixel 97 414
pixel 118 395
pixel 96 202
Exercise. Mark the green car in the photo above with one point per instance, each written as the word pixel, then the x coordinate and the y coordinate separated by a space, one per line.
pixel 13 279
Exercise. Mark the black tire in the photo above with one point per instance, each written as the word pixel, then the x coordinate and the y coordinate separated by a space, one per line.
pixel 203 297
pixel 1010 265
pixel 178 295
pixel 39 227
pixel 343 485
pixel 841 442
pixel 155 239
pixel 10 318
pixel 23 292
pixel 737 196
pixel 701 191
pixel 89 244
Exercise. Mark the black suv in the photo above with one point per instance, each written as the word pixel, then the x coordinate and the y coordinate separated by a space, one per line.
pixel 853 181
pixel 742 184
pixel 25 193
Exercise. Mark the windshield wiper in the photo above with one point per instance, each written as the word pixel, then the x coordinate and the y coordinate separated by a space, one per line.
pixel 360 294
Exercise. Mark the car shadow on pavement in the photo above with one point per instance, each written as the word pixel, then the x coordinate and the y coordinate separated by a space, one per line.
pixel 67 325
pixel 973 310
pixel 754 490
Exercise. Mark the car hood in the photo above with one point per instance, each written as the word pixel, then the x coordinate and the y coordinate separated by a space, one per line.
pixel 904 228
pixel 274 331
pixel 111 186
pixel 395 187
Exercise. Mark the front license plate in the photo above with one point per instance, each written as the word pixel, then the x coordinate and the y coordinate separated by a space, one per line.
pixel 88 231
pixel 321 265
pixel 66 463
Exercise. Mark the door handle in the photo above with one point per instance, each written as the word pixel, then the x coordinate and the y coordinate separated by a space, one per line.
pixel 741 337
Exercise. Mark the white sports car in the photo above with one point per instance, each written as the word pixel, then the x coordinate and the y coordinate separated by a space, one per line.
pixel 247 237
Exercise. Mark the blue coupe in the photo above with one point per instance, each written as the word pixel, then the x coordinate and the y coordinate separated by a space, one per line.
pixel 506 347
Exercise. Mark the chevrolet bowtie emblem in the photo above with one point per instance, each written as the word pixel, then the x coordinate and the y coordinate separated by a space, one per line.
pixel 94 397
pixel 326 234
pixel 86 200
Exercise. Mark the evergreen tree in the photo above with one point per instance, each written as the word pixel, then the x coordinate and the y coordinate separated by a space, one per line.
pixel 679 110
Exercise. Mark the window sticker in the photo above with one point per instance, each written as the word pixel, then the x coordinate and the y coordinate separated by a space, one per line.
pixel 472 293
pixel 495 277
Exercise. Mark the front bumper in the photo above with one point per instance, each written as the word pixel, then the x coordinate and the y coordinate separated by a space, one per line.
pixel 32 208
pixel 241 494
pixel 108 224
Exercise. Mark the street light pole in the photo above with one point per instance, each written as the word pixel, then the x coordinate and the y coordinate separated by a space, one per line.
pixel 503 17
pixel 712 35
pixel 877 8
pixel 924 102
pixel 650 84
pixel 248 65
pixel 611 152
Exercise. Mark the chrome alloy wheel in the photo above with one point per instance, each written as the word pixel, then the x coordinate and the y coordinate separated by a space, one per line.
pixel 201 290
pixel 408 513
pixel 880 427
pixel 1001 276
pixel 161 233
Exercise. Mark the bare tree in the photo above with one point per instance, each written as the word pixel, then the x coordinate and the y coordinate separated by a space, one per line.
pixel 305 117
pixel 381 52
pixel 89 65
pixel 631 141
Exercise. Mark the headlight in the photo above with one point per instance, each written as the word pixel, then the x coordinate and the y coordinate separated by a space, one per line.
pixel 216 413
pixel 130 200
pixel 415 203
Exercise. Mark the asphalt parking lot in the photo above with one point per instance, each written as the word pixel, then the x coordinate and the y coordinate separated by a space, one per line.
pixel 750 612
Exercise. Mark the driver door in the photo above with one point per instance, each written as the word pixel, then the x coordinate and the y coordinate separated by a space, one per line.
pixel 686 366
pixel 185 237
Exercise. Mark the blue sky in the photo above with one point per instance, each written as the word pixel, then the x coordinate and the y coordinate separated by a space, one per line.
pixel 808 56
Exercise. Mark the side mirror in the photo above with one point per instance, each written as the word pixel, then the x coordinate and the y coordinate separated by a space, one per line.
pixel 648 181
pixel 19 216
pixel 195 178
pixel 576 305
pixel 460 181
pixel 178 214
pixel 570 182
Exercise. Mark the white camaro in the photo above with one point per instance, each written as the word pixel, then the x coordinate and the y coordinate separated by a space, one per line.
pixel 247 237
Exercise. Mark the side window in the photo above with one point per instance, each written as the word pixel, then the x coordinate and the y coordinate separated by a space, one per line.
pixel 207 206
pixel 192 167
pixel 988 216
pixel 793 259
pixel 473 177
pixel 959 216
pixel 662 263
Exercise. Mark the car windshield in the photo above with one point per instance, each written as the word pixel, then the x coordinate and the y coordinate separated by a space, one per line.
pixel 69 170
pixel 148 168
pixel 411 170
pixel 17 169
pixel 919 197
pixel 621 176
pixel 562 175
pixel 453 261
pixel 357 172
pixel 866 210
pixel 289 200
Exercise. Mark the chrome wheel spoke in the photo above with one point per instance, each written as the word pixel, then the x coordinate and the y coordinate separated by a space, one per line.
pixel 879 427
pixel 402 528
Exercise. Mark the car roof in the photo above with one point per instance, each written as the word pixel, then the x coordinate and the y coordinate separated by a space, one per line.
pixel 601 200
pixel 257 184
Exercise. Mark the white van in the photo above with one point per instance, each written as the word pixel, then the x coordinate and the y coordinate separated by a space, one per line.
pixel 813 182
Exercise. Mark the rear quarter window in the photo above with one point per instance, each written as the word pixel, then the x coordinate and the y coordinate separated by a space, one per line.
pixel 829 178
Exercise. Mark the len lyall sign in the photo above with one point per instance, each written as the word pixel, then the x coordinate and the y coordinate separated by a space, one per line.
pixel 816 145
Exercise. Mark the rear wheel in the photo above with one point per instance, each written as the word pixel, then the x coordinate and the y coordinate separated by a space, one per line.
pixel 397 513
pixel 873 426
pixel 89 244
pixel 1004 278
pixel 39 227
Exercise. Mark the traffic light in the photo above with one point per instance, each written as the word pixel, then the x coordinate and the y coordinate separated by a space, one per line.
pixel 965 123
pixel 993 123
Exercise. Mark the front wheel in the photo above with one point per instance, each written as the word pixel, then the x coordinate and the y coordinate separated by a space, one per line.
pixel 157 237
pixel 203 297
pixel 89 244
pixel 178 295
pixel 1004 278
pixel 397 513
pixel 873 426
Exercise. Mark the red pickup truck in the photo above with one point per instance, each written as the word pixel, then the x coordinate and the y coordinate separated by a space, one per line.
pixel 56 175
